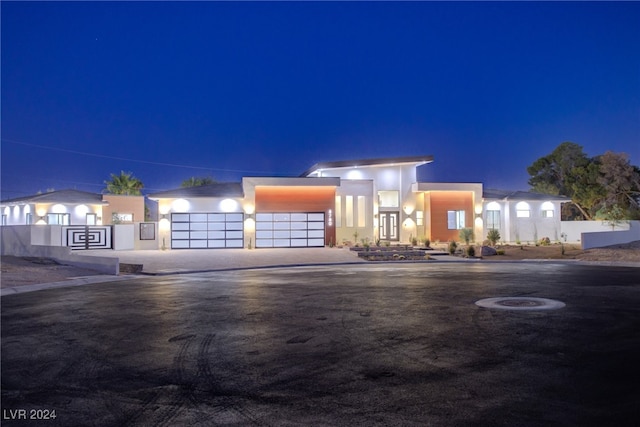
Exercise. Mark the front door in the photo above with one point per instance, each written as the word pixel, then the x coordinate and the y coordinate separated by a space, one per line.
pixel 389 225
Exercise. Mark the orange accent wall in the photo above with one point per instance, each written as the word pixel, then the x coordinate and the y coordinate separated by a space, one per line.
pixel 299 199
pixel 443 201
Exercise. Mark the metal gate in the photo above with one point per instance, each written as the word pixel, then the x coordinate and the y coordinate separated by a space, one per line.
pixel 88 237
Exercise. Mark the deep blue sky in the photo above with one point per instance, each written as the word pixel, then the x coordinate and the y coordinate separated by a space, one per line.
pixel 272 88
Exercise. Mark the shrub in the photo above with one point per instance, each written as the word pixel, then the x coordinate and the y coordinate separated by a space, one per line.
pixel 471 251
pixel 493 236
pixel 545 241
pixel 427 243
pixel 466 234
pixel 500 251
pixel 452 247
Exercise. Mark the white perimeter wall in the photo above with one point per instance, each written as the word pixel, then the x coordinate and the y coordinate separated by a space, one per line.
pixel 598 239
pixel 573 230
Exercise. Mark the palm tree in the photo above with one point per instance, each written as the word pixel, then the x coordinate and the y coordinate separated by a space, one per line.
pixel 125 184
pixel 197 181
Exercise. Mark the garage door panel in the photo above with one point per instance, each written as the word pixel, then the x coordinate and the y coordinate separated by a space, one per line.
pixel 207 230
pixel 234 235
pixel 289 229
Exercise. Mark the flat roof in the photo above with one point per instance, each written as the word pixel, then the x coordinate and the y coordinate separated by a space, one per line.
pixel 218 189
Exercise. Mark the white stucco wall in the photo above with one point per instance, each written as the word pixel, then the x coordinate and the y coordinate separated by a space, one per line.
pixel 525 229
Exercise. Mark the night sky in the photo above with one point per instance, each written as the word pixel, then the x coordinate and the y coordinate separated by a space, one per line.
pixel 171 90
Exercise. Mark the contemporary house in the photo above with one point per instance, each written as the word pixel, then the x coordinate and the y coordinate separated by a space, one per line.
pixel 331 203
pixel 348 201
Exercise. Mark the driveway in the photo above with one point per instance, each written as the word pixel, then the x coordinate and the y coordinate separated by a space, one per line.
pixel 329 345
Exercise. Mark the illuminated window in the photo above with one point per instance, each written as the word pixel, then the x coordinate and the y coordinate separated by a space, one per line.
pixel 419 218
pixel 338 211
pixel 361 212
pixel 92 219
pixel 455 220
pixel 493 220
pixel 522 210
pixel 29 218
pixel 389 199
pixel 349 210
pixel 547 210
pixel 4 219
pixel 58 219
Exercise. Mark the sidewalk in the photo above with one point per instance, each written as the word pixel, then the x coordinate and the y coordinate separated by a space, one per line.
pixel 200 260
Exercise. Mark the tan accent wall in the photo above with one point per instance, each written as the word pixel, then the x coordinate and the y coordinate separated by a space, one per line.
pixel 299 199
pixel 442 201
pixel 123 204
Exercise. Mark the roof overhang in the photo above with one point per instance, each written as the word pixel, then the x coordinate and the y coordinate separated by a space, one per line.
pixel 361 163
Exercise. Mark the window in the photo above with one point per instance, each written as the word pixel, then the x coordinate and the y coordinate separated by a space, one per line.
pixel 349 210
pixel 29 218
pixel 338 211
pixel 118 218
pixel 455 220
pixel 4 219
pixel 361 212
pixel 389 199
pixel 92 219
pixel 58 219
pixel 419 218
pixel 493 220
pixel 547 210
pixel 147 231
pixel 522 210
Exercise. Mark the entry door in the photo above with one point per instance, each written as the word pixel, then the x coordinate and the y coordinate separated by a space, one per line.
pixel 389 225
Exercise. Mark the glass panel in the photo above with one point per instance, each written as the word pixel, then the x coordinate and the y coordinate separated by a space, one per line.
pixel 234 226
pixel 299 216
pixel 316 226
pixel 180 244
pixel 198 243
pixel 179 217
pixel 298 234
pixel 235 217
pixel 216 226
pixel 316 217
pixel 264 225
pixel 298 225
pixel 264 217
pixel 198 217
pixel 216 244
pixel 234 235
pixel 315 242
pixel 264 234
pixel 216 217
pixel 198 235
pixel 264 243
pixel 299 242
pixel 281 234
pixel 281 217
pixel 180 235
pixel 198 226
pixel 316 233
pixel 281 225
pixel 215 235
pixel 349 210
pixel 361 212
pixel 281 243
pixel 234 243
pixel 338 211
pixel 389 199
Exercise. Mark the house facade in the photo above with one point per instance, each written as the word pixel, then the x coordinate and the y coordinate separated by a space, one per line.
pixel 332 203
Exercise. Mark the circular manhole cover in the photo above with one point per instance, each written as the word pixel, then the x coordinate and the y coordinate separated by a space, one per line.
pixel 520 303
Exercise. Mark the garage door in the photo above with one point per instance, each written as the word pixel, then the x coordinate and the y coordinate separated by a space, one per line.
pixel 288 230
pixel 207 230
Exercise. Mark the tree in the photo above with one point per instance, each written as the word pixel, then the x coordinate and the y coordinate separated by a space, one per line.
pixel 197 181
pixel 125 184
pixel 595 185
pixel 620 180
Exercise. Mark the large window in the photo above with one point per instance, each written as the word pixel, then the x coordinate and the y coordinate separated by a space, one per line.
pixel 362 212
pixel 547 210
pixel 455 220
pixel 493 220
pixel 348 210
pixel 389 199
pixel 338 211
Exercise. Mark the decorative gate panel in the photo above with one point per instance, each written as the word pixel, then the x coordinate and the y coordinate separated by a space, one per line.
pixel 88 237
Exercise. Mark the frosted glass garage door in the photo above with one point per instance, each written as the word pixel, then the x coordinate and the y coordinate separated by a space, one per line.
pixel 207 230
pixel 289 230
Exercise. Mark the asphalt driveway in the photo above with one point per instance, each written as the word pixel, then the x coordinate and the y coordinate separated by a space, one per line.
pixel 328 345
